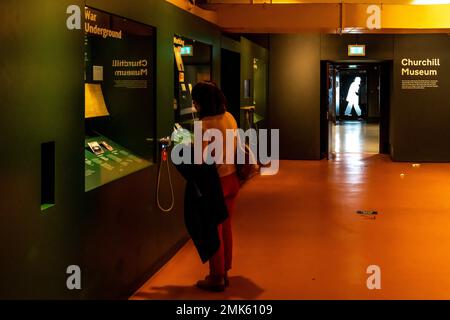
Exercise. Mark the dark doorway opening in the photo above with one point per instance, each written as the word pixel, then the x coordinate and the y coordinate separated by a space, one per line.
pixel 355 99
pixel 352 96
pixel 230 81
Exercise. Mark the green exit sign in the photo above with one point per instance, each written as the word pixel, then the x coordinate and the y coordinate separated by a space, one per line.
pixel 357 50
pixel 187 51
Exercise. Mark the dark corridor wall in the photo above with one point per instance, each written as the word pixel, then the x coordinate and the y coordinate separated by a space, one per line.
pixel 420 119
pixel 294 94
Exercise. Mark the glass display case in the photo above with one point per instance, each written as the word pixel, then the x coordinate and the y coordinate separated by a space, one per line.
pixel 192 64
pixel 119 97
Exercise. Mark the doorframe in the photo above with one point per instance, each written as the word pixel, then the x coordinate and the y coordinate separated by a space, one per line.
pixel 385 91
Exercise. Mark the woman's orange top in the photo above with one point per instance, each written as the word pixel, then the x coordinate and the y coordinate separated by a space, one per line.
pixel 222 122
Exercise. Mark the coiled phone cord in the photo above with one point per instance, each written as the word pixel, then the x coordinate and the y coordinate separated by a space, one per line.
pixel 164 160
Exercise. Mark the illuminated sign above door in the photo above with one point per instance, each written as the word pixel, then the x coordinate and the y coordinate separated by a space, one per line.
pixel 356 50
pixel 187 51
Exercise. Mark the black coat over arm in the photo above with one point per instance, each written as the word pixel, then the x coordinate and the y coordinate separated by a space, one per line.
pixel 204 207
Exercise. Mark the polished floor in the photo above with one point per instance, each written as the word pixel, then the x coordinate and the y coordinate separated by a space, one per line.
pixel 355 137
pixel 298 236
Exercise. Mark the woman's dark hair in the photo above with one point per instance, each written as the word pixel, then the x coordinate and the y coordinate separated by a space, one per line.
pixel 210 98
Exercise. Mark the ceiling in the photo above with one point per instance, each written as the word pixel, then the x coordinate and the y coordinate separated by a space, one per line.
pixel 405 2
pixel 324 16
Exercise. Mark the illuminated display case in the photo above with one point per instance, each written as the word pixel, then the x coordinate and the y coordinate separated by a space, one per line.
pixel 119 97
pixel 192 64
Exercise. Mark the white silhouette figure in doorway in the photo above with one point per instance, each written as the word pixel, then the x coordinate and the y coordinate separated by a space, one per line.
pixel 353 98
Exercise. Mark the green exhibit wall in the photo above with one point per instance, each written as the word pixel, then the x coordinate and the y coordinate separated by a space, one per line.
pixel 41 92
pixel 419 119
pixel 126 238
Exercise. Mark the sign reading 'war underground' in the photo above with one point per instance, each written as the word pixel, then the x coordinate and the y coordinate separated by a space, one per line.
pixel 420 74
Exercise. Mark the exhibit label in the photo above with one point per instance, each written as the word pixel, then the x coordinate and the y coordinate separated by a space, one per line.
pixel 419 74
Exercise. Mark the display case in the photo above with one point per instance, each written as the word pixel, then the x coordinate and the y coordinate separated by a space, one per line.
pixel 119 97
pixel 192 65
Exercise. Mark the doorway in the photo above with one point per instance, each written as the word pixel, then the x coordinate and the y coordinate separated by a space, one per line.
pixel 230 81
pixel 355 108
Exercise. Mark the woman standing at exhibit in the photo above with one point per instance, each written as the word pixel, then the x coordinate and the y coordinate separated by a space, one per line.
pixel 210 103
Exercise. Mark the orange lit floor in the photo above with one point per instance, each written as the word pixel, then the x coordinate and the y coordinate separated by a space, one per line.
pixel 298 236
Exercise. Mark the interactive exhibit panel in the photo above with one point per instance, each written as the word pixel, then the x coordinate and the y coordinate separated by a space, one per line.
pixel 192 65
pixel 119 97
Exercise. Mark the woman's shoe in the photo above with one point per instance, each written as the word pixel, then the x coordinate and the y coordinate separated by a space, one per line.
pixel 212 283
